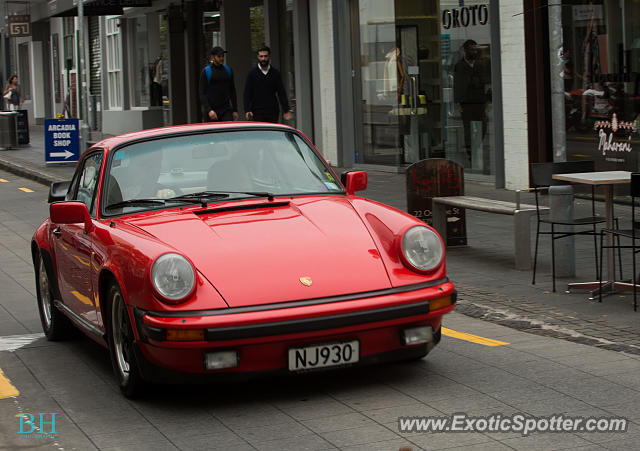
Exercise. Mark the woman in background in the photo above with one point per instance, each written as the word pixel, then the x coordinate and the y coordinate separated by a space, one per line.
pixel 11 94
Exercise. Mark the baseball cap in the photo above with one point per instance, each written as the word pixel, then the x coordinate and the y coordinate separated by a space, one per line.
pixel 217 50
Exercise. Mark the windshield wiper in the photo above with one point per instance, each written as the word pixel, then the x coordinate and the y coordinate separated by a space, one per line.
pixel 153 201
pixel 135 203
pixel 222 194
pixel 269 196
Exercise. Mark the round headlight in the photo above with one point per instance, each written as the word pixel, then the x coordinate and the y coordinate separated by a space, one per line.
pixel 422 248
pixel 173 277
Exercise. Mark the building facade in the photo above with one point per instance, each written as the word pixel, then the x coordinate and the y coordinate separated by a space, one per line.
pixel 595 77
pixel 376 84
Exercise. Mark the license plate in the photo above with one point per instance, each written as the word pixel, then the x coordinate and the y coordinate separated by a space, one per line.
pixel 319 356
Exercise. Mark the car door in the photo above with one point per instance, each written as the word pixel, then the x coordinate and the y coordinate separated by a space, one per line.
pixel 73 246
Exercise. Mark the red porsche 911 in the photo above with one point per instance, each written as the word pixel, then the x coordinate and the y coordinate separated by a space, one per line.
pixel 212 250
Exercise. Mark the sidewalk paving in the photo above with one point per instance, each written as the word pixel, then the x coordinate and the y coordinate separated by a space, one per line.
pixel 489 286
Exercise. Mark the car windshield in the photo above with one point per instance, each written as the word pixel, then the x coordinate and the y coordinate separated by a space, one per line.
pixel 213 167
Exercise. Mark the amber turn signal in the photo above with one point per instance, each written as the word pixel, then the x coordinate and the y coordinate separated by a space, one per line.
pixel 439 303
pixel 185 334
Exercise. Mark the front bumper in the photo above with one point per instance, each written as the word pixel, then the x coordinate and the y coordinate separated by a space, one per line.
pixel 262 337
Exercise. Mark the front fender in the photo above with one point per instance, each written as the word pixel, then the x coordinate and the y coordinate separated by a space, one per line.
pixel 386 225
pixel 124 254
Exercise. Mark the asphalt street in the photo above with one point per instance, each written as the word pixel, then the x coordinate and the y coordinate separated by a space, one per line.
pixel 480 368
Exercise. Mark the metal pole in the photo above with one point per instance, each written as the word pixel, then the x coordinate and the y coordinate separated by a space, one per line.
pixel 557 82
pixel 82 97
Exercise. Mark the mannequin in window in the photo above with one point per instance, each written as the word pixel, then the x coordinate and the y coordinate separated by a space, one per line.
pixel 394 74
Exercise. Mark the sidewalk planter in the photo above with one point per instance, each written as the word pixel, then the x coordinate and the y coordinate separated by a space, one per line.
pixel 8 129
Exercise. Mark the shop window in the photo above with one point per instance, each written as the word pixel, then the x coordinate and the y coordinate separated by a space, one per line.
pixel 114 64
pixel 211 28
pixel 256 26
pixel 598 64
pixel 55 61
pixel 142 68
pixel 68 31
pixel 161 73
pixel 24 74
pixel 467 115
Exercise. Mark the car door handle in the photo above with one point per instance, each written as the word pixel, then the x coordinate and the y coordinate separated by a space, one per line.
pixel 57 232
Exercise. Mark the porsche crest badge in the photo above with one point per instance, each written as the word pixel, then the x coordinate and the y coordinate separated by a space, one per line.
pixel 306 281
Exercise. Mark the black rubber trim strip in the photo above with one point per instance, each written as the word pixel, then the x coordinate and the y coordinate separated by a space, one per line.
pixel 321 323
pixel 242 207
pixel 293 304
pixel 79 320
pixel 146 331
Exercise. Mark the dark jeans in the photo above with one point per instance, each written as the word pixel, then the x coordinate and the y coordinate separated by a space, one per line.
pixel 223 116
pixel 472 112
pixel 266 117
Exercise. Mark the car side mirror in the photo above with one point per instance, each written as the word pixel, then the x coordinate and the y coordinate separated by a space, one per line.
pixel 58 191
pixel 70 213
pixel 354 181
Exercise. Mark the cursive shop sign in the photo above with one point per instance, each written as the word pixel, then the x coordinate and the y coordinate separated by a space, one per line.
pixel 614 138
pixel 465 16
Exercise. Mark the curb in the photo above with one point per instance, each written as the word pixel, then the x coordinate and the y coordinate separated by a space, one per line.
pixel 29 173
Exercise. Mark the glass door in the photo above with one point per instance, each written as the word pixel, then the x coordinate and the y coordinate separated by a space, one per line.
pixel 398 51
pixel 466 81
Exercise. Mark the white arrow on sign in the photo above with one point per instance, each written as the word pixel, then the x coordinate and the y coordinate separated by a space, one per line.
pixel 66 154
pixel 454 219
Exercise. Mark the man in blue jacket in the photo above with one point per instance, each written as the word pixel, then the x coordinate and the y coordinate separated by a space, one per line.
pixel 217 89
pixel 263 90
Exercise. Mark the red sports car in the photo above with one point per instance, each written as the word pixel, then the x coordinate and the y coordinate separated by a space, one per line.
pixel 229 249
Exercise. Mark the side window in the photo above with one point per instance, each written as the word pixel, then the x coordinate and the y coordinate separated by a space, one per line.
pixel 86 182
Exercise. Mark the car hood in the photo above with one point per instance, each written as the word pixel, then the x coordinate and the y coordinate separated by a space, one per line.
pixel 260 252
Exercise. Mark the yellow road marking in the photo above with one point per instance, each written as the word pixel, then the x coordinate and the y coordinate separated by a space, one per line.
pixel 472 338
pixel 4 181
pixel 82 298
pixel 26 190
pixel 82 261
pixel 6 389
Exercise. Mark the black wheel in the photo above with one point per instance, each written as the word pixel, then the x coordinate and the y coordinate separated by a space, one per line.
pixel 121 345
pixel 55 325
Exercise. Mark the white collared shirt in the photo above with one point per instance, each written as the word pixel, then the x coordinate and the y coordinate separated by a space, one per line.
pixel 264 71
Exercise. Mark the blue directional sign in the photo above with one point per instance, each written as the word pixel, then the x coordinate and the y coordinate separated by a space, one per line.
pixel 61 140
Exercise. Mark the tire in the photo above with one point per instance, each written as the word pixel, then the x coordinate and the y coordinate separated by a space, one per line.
pixel 121 345
pixel 55 325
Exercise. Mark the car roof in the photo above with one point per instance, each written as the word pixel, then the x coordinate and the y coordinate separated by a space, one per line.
pixel 111 142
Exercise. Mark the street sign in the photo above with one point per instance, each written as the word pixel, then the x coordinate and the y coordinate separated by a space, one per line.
pixel 19 25
pixel 61 140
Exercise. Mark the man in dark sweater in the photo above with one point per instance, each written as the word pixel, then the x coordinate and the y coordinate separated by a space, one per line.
pixel 470 79
pixel 217 90
pixel 264 83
